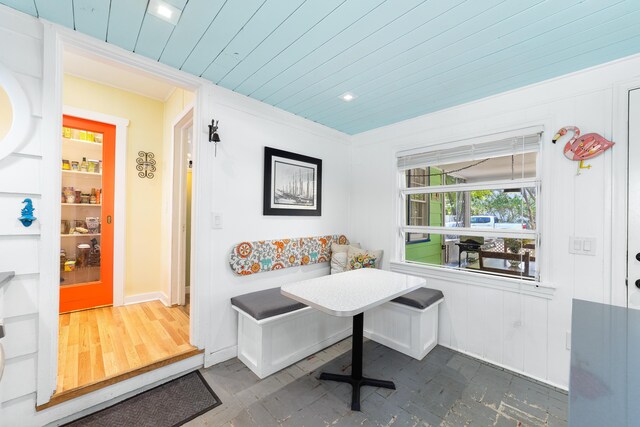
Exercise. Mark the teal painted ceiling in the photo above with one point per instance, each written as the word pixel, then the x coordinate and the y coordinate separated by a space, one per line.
pixel 401 58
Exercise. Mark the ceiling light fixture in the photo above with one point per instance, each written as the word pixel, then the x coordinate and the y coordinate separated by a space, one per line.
pixel 347 96
pixel 165 11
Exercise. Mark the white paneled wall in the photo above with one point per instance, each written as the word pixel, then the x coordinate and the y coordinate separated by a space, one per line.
pixel 21 52
pixel 522 332
pixel 237 173
pixel 248 127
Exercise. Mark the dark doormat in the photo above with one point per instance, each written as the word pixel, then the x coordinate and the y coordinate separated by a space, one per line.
pixel 170 404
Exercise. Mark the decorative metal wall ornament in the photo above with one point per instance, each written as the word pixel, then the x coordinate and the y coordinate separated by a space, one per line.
pixel 146 164
pixel 581 148
pixel 27 217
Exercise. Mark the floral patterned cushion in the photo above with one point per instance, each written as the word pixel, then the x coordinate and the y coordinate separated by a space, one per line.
pixel 266 255
pixel 362 258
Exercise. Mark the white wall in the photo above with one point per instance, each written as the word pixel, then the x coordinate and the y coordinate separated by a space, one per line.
pixel 21 50
pixel 524 333
pixel 246 127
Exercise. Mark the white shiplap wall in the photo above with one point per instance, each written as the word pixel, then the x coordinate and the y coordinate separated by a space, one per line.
pixel 249 126
pixel 21 52
pixel 522 332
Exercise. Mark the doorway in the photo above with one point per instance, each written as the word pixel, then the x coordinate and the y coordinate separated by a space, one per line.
pixel 86 242
pixel 111 326
pixel 183 160
pixel 58 43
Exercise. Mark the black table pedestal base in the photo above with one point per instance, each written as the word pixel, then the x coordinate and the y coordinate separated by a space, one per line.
pixel 356 379
pixel 356 384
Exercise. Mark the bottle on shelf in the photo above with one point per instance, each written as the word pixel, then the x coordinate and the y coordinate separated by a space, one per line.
pixel 83 165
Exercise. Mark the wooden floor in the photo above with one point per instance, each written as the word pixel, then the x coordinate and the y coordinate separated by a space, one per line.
pixel 102 343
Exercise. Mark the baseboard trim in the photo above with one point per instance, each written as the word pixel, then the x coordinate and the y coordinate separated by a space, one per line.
pixel 149 296
pixel 559 387
pixel 220 356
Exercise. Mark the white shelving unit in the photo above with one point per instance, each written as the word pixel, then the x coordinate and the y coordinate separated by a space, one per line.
pixel 74 150
pixel 67 172
pixel 82 141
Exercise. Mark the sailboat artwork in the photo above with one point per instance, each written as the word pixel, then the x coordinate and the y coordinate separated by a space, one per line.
pixel 294 185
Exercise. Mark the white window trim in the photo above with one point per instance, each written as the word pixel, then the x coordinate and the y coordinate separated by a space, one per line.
pixel 488 185
pixel 479 232
pixel 539 287
pixel 528 287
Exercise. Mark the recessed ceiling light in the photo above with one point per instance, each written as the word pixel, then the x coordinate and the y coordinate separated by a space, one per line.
pixel 165 11
pixel 347 96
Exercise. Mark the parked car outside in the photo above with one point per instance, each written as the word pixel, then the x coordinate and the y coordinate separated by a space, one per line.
pixel 491 221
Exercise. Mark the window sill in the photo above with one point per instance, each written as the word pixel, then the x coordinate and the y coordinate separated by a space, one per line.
pixel 525 287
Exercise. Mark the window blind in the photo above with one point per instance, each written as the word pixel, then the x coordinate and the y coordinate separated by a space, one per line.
pixel 495 145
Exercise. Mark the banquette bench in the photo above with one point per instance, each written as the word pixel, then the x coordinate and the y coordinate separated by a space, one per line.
pixel 275 331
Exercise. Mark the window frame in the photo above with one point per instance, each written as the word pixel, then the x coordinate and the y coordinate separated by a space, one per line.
pixel 483 277
pixel 428 209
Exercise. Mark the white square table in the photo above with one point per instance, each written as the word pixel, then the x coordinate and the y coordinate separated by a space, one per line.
pixel 350 294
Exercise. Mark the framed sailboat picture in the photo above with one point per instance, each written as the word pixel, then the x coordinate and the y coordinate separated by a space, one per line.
pixel 292 184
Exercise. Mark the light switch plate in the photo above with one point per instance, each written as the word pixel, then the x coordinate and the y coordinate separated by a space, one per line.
pixel 577 245
pixel 582 245
pixel 216 220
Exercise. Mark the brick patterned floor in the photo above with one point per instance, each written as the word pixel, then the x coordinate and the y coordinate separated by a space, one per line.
pixel 446 388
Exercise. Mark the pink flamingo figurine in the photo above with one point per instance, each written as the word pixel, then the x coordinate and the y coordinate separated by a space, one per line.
pixel 581 148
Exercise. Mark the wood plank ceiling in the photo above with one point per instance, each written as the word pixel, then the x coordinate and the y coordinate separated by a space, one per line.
pixel 401 58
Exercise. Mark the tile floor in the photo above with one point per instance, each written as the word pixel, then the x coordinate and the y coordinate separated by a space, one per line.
pixel 445 389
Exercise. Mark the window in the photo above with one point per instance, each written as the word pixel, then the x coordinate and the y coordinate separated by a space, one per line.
pixel 473 207
pixel 417 204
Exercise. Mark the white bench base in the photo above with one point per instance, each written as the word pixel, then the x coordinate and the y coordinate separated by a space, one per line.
pixel 406 329
pixel 269 345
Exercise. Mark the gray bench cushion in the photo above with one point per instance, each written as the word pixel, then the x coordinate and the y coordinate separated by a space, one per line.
pixel 420 298
pixel 264 304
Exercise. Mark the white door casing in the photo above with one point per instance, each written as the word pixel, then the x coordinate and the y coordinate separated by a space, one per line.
pixel 180 149
pixel 633 263
pixel 56 40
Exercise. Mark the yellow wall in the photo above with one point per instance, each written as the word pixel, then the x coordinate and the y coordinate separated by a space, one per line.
pixel 6 113
pixel 143 257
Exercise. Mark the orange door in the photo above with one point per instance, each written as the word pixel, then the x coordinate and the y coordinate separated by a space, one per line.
pixel 86 230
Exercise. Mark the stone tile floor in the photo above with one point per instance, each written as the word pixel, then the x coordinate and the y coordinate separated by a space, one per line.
pixel 446 388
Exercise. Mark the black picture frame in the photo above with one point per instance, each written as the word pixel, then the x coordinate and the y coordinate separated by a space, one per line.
pixel 292 184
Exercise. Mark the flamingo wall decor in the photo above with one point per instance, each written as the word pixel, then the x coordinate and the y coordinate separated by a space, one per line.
pixel 581 148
